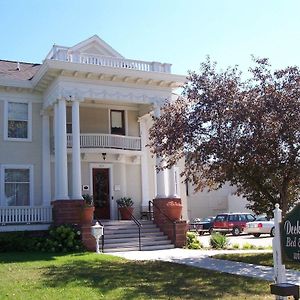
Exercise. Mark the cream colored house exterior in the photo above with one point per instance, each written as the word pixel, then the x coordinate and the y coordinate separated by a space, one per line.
pixel 78 124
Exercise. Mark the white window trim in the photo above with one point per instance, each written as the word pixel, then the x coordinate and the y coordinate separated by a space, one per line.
pixel 29 122
pixel 2 179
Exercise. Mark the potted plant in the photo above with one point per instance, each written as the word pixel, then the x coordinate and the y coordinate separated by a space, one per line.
pixel 173 210
pixel 87 215
pixel 125 207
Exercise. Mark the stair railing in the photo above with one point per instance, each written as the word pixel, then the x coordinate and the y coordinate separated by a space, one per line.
pixel 138 224
pixel 151 213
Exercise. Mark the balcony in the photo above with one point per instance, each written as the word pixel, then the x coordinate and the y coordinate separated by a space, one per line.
pixel 89 140
pixel 63 54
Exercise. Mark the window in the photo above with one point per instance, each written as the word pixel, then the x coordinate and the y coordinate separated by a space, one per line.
pixel 17 186
pixel 117 121
pixel 17 121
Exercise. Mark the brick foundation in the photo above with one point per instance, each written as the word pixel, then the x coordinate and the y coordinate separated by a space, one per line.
pixel 168 228
pixel 69 212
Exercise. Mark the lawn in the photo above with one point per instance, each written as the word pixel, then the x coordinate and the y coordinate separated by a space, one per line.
pixel 264 259
pixel 90 276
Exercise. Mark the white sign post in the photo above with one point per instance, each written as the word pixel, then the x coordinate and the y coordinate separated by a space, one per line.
pixel 279 268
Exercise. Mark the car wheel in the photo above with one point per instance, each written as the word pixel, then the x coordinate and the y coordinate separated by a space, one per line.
pixel 256 234
pixel 211 230
pixel 236 231
pixel 272 233
pixel 200 232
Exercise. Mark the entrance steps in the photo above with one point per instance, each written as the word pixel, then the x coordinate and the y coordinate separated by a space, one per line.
pixel 122 236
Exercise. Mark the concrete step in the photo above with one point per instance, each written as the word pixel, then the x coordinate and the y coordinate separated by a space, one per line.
pixel 144 248
pixel 124 236
pixel 153 240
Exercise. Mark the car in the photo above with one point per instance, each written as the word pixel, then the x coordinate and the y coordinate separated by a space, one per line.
pixel 232 222
pixel 202 225
pixel 262 225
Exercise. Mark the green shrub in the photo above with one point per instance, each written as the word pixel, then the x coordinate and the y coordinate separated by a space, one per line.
pixel 236 246
pixel 218 241
pixel 192 241
pixel 248 246
pixel 63 238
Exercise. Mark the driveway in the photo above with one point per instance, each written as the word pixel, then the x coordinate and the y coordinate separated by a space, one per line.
pixel 264 240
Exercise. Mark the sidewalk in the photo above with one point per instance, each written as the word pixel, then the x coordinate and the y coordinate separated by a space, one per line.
pixel 203 259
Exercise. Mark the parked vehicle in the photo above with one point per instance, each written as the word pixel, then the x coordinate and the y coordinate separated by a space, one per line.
pixel 232 222
pixel 202 225
pixel 262 225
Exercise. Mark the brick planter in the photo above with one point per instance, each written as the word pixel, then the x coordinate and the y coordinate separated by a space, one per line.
pixel 169 228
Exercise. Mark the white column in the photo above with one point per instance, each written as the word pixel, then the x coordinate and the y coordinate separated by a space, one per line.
pixel 172 183
pixel 161 181
pixel 46 174
pixel 76 159
pixel 56 158
pixel 61 152
pixel 161 176
pixel 144 163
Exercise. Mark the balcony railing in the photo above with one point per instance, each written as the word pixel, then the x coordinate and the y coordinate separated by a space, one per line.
pixel 25 215
pixel 63 54
pixel 89 140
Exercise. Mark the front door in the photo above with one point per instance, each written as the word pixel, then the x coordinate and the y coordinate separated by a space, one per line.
pixel 101 193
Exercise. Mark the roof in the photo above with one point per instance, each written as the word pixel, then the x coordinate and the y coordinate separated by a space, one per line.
pixel 10 70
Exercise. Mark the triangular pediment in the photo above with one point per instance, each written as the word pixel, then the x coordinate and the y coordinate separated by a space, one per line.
pixel 96 46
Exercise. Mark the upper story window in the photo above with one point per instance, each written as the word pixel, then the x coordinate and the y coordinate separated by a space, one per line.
pixel 18 121
pixel 17 186
pixel 117 121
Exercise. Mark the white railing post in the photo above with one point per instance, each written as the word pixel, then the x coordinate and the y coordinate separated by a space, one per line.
pixel 279 268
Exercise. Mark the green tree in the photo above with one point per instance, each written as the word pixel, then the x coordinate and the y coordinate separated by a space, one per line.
pixel 246 132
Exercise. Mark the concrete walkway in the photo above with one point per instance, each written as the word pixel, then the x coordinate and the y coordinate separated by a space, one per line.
pixel 204 259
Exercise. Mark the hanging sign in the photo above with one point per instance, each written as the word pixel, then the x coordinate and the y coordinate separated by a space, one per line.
pixel 290 235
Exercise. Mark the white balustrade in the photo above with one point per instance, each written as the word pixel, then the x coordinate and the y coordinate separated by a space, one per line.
pixel 63 54
pixel 89 140
pixel 25 214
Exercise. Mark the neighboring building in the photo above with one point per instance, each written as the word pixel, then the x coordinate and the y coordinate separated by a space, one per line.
pixel 78 123
pixel 204 204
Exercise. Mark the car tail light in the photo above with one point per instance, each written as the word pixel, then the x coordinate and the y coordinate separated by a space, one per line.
pixel 259 225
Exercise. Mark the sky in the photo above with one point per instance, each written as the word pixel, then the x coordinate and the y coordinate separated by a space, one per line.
pixel 181 32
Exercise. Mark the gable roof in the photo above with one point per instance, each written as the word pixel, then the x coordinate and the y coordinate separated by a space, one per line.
pixel 17 70
pixel 95 45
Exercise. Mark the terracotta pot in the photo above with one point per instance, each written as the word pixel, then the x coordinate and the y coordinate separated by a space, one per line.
pixel 87 214
pixel 174 212
pixel 125 212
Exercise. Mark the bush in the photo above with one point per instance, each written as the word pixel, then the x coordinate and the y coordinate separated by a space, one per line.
pixel 248 246
pixel 192 241
pixel 63 238
pixel 17 241
pixel 218 241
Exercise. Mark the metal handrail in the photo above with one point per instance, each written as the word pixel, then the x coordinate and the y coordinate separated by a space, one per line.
pixel 167 218
pixel 137 222
pixel 102 238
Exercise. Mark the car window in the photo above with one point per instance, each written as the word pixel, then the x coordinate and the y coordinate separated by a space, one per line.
pixel 261 218
pixel 250 218
pixel 221 218
pixel 243 218
pixel 233 218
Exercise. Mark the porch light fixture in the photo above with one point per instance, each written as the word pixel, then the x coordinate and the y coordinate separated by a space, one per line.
pixel 104 156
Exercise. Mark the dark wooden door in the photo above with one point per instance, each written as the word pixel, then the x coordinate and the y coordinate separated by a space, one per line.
pixel 101 193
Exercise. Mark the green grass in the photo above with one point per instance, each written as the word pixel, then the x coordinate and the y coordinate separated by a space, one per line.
pixel 264 259
pixel 90 276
